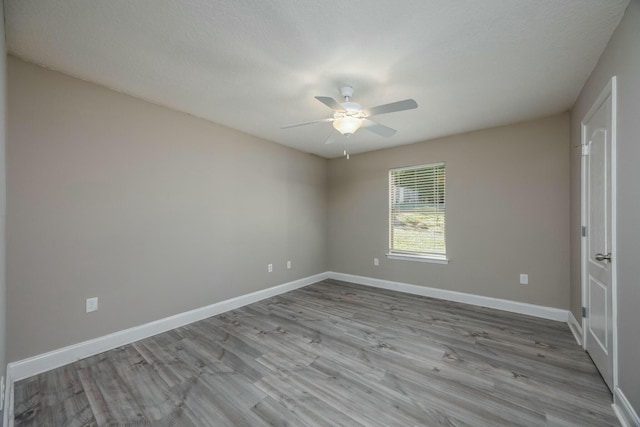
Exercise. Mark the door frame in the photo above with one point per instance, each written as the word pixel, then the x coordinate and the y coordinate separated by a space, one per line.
pixel 609 90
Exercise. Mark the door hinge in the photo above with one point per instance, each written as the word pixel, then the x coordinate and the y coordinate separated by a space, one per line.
pixel 584 312
pixel 585 150
pixel 584 231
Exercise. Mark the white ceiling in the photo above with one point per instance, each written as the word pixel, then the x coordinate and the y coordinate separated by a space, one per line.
pixel 255 65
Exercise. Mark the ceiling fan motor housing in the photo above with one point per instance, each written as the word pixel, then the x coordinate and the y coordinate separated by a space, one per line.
pixel 351 107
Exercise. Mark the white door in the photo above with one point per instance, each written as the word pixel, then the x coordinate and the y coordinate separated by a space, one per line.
pixel 597 138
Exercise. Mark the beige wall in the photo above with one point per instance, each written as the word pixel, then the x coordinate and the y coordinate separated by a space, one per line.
pixel 151 210
pixel 507 212
pixel 622 59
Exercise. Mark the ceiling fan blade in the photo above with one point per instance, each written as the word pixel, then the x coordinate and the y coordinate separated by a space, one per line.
pixel 407 104
pixel 379 129
pixel 333 137
pixel 308 123
pixel 330 102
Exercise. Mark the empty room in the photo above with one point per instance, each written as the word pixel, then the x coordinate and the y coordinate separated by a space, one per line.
pixel 336 213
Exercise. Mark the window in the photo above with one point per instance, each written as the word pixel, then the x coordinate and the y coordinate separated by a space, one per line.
pixel 417 212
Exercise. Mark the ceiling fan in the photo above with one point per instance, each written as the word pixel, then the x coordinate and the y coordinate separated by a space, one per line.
pixel 349 116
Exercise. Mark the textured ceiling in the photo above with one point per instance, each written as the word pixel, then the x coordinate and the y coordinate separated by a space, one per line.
pixel 256 65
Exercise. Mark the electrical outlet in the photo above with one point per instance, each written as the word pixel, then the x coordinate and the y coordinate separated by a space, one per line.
pixel 269 268
pixel 524 279
pixel 92 304
pixel 288 265
pixel 376 261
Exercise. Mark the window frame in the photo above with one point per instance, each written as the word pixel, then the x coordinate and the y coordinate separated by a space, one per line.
pixel 396 254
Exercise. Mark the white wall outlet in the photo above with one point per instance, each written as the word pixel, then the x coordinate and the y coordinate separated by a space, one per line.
pixel 288 265
pixel 524 279
pixel 269 268
pixel 92 304
pixel 376 261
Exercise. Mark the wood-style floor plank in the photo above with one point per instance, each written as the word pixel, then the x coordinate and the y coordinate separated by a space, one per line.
pixel 332 354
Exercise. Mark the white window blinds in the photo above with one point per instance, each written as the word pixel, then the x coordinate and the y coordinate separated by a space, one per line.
pixel 417 211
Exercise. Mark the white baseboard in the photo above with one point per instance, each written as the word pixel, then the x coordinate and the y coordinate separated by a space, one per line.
pixel 627 416
pixel 41 363
pixel 576 328
pixel 500 304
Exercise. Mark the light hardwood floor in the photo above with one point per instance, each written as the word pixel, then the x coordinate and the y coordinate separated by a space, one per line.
pixel 332 354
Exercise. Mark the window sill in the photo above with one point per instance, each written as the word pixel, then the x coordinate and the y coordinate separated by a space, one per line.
pixel 418 258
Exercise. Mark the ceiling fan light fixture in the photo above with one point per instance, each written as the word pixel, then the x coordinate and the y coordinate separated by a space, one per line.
pixel 347 125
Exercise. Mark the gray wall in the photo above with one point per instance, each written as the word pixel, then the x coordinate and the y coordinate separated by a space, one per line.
pixel 507 212
pixel 151 210
pixel 620 58
pixel 3 199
